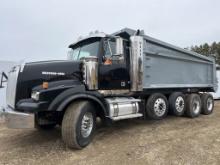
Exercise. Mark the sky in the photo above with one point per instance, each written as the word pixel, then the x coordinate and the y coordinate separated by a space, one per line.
pixel 36 30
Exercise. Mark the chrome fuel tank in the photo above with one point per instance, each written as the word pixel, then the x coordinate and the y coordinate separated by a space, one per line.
pixel 123 108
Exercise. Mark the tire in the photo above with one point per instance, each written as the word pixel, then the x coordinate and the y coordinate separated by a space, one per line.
pixel 207 103
pixel 157 106
pixel 193 105
pixel 177 103
pixel 72 132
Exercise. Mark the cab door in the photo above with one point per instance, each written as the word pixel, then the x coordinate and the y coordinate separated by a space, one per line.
pixel 113 69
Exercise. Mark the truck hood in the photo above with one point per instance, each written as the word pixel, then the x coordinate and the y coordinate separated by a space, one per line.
pixel 50 70
pixel 35 73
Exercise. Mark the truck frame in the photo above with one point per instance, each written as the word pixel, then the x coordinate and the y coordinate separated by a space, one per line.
pixel 120 76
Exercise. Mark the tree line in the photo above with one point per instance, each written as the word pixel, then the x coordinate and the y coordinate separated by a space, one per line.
pixel 208 50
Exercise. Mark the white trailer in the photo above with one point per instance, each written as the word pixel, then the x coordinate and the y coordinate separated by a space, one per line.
pixel 216 95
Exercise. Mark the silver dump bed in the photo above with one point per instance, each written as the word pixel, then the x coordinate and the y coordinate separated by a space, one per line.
pixel 167 66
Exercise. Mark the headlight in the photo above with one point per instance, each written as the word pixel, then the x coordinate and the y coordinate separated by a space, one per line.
pixel 35 95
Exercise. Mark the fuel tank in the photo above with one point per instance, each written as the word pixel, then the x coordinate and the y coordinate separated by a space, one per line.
pixel 35 73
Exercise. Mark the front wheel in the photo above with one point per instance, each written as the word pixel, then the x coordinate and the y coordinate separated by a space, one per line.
pixel 78 124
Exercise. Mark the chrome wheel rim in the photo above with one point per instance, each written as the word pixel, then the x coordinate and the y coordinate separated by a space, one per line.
pixel 179 104
pixel 209 104
pixel 160 107
pixel 87 124
pixel 196 106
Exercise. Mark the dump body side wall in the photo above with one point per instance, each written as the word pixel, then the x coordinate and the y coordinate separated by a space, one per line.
pixel 167 67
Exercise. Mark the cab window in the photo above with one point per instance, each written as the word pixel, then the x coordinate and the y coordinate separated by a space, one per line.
pixel 109 47
pixel 110 52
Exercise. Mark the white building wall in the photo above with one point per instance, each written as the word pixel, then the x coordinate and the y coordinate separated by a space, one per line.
pixel 5 66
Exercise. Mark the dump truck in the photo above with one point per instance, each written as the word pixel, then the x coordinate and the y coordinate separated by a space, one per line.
pixel 111 77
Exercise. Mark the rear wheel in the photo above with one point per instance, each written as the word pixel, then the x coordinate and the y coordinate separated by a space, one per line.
pixel 157 106
pixel 177 103
pixel 207 103
pixel 78 125
pixel 193 105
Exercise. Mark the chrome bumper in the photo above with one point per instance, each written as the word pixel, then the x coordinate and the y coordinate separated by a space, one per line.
pixel 17 120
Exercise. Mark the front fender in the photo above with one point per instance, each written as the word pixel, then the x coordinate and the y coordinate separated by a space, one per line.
pixel 78 92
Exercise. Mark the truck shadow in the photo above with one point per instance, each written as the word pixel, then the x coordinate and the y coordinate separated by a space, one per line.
pixel 52 140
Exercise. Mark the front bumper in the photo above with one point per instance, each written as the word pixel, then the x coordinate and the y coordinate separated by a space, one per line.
pixel 17 120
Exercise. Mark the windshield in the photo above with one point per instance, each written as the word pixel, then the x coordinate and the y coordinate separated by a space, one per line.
pixel 90 49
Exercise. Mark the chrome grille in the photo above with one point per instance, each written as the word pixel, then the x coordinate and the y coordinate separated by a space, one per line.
pixel 11 86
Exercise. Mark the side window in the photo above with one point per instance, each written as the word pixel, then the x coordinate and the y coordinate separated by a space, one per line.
pixel 73 54
pixel 110 52
pixel 109 47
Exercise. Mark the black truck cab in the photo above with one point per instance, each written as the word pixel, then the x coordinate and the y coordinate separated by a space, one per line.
pixel 113 74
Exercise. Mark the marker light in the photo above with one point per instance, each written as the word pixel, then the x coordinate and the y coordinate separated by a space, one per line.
pixel 45 85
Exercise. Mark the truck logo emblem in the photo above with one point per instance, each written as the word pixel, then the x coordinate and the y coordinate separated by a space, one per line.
pixel 53 73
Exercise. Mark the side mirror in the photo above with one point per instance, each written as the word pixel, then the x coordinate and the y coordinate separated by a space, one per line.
pixel 119 46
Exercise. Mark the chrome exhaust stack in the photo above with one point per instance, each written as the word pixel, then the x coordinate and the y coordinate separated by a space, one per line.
pixel 90 72
pixel 136 62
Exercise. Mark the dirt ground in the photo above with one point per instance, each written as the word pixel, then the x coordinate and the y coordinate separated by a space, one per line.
pixel 174 140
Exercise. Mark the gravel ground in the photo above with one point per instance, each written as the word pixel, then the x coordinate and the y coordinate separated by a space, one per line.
pixel 170 141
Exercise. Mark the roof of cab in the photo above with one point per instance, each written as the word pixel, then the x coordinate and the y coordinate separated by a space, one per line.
pixel 91 35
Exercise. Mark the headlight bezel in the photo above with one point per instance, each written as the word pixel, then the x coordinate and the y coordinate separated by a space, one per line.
pixel 35 95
